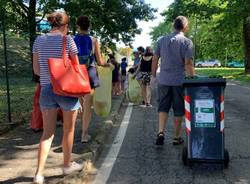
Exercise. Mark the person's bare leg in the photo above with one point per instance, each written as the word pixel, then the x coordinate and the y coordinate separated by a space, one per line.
pixel 49 126
pixel 113 88
pixel 87 113
pixel 118 88
pixel 122 85
pixel 148 93
pixel 143 92
pixel 163 117
pixel 69 118
pixel 178 126
pixel 162 123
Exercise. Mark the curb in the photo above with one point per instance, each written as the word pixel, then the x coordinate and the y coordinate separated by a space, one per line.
pixel 7 127
pixel 96 146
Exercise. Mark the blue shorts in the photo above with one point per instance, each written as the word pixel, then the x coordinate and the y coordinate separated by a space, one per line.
pixel 50 100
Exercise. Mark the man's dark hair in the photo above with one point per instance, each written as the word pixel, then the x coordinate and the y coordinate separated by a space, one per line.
pixel 124 59
pixel 141 49
pixel 180 23
pixel 83 22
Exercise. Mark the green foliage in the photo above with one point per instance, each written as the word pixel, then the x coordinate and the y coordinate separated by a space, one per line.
pixel 21 91
pixel 112 20
pixel 215 26
pixel 18 53
pixel 229 73
pixel 17 15
pixel 125 51
pixel 162 29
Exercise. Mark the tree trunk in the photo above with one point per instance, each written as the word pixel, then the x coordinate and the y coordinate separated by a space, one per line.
pixel 32 30
pixel 246 39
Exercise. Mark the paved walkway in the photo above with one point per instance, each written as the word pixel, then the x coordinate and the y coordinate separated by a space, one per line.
pixel 18 149
pixel 141 162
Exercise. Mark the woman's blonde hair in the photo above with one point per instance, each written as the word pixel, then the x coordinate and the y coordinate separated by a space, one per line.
pixel 58 19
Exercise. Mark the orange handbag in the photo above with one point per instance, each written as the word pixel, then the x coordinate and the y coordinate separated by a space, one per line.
pixel 67 77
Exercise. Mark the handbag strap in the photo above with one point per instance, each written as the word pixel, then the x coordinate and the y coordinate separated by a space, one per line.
pixel 64 56
pixel 65 59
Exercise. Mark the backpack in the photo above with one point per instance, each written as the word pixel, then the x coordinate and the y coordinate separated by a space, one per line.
pixel 85 49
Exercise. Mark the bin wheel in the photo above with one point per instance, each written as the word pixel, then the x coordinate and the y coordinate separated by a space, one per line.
pixel 226 158
pixel 185 156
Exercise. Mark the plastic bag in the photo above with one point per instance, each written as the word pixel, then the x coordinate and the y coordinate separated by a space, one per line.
pixel 134 90
pixel 102 95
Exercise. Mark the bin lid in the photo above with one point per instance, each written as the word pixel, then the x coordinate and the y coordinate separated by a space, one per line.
pixel 204 81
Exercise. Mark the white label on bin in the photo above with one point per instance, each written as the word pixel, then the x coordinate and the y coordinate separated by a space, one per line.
pixel 205 114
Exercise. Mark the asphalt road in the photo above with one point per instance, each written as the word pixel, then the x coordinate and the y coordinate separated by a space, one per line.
pixel 140 162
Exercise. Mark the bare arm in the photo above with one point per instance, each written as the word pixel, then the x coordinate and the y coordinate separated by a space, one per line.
pixel 36 67
pixel 154 66
pixel 74 58
pixel 138 68
pixel 189 67
pixel 98 55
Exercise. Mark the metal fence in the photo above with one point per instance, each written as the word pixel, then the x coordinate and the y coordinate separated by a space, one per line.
pixel 16 87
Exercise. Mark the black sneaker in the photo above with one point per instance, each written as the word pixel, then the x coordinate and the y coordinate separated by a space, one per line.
pixel 178 141
pixel 160 139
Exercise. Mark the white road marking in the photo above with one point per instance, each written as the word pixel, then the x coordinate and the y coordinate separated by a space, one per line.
pixel 107 165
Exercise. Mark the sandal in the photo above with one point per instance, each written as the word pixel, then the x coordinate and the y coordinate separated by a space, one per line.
pixel 178 141
pixel 85 138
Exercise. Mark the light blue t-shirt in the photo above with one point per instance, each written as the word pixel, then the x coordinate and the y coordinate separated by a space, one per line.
pixel 173 49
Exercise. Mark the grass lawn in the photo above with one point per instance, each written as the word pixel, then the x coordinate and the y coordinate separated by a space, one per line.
pixel 21 87
pixel 18 57
pixel 229 73
pixel 21 97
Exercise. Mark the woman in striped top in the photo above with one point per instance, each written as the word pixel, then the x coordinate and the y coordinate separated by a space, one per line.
pixel 45 47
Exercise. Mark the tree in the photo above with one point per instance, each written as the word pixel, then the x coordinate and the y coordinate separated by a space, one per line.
pixel 160 30
pixel 112 20
pixel 125 51
pixel 21 14
pixel 226 16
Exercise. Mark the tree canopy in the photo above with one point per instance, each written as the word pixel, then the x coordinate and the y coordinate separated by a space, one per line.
pixel 219 28
pixel 112 20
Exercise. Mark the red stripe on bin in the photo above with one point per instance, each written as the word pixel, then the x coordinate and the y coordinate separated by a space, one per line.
pixel 187 98
pixel 187 131
pixel 187 115
pixel 222 98
pixel 222 116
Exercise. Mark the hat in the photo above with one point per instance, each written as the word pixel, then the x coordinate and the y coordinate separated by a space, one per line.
pixel 135 51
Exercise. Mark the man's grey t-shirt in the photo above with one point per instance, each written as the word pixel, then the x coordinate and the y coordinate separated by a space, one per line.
pixel 173 49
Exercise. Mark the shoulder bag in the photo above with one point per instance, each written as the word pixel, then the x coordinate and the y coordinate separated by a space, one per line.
pixel 67 77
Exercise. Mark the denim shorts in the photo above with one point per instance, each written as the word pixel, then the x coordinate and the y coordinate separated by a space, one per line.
pixel 50 100
pixel 171 96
